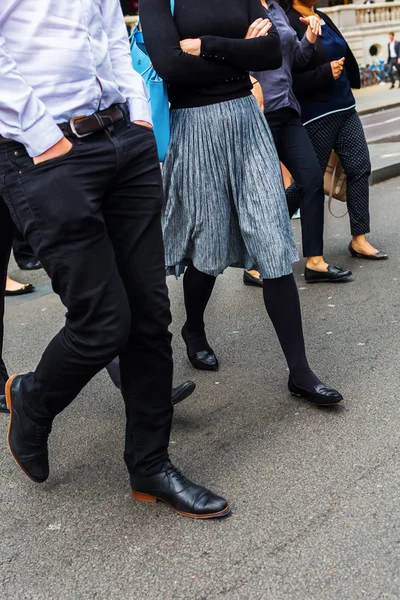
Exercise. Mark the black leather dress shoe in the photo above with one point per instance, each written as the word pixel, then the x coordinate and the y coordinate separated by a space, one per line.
pixel 182 392
pixel 26 439
pixel 377 256
pixel 32 265
pixel 183 496
pixel 3 404
pixel 321 394
pixel 203 359
pixel 249 279
pixel 332 275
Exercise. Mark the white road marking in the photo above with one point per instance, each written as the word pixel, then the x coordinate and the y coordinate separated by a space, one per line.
pixel 382 123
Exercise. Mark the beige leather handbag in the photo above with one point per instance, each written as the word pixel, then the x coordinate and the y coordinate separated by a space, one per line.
pixel 335 182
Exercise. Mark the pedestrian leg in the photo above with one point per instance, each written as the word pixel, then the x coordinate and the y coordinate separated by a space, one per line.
pixel 132 213
pixel 7 229
pixel 23 253
pixel 353 152
pixel 69 237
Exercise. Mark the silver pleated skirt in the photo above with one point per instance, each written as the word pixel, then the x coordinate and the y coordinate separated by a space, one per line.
pixel 225 204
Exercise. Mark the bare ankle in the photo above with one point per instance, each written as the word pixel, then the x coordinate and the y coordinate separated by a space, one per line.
pixel 317 263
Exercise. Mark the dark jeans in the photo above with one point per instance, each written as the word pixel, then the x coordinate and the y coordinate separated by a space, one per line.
pixel 393 63
pixel 296 152
pixel 7 229
pixel 92 217
pixel 23 253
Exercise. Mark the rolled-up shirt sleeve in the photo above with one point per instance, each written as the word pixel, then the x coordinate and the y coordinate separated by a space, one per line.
pixel 130 83
pixel 23 117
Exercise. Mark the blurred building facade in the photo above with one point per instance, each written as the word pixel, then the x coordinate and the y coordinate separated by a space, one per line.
pixel 366 26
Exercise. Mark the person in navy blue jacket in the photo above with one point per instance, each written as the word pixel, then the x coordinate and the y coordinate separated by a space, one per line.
pixel 324 90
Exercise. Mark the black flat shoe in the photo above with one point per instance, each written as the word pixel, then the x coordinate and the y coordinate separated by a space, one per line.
pixel 3 405
pixel 377 256
pixel 332 275
pixel 27 440
pixel 182 392
pixel 27 288
pixel 249 279
pixel 203 359
pixel 321 394
pixel 183 496
pixel 32 265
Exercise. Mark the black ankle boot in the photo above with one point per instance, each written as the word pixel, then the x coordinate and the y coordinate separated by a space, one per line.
pixel 200 354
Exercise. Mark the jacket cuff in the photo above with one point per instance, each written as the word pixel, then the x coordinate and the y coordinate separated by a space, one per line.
pixel 327 71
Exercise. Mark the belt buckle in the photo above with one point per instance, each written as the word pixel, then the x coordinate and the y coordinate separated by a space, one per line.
pixel 73 129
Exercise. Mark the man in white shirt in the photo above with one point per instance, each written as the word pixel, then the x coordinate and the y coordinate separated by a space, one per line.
pixel 79 173
pixel 393 59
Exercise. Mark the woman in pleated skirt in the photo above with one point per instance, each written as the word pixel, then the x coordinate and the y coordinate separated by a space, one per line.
pixel 224 199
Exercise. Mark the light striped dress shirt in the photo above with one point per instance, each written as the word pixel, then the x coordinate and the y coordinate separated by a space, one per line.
pixel 60 59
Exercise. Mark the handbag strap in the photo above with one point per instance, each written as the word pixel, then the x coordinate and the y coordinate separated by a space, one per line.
pixel 330 198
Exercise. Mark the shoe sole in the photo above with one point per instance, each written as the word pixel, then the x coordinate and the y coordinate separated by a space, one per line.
pixel 201 368
pixel 371 258
pixel 316 403
pixel 152 499
pixel 9 406
pixel 327 280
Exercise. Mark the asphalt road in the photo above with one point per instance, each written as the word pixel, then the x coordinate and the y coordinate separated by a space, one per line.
pixel 314 493
pixel 383 125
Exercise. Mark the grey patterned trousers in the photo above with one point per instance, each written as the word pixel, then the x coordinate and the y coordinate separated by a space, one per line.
pixel 344 133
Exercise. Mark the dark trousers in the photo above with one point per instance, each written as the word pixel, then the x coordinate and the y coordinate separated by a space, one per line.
pixel 93 219
pixel 344 133
pixel 22 251
pixel 7 229
pixel 296 152
pixel 393 63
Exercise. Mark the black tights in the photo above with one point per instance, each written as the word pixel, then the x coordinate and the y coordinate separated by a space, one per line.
pixel 197 289
pixel 282 302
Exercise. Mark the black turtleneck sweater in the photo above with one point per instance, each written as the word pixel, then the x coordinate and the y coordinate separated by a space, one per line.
pixel 222 71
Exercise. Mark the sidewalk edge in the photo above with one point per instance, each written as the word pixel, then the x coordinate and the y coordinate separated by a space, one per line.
pixel 376 109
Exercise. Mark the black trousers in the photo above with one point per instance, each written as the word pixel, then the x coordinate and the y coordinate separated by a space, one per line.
pixel 393 63
pixel 296 152
pixel 92 217
pixel 22 251
pixel 344 133
pixel 7 229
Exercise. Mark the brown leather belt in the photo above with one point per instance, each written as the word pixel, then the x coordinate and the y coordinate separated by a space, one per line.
pixel 81 127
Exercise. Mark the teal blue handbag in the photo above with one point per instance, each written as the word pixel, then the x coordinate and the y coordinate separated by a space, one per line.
pixel 157 89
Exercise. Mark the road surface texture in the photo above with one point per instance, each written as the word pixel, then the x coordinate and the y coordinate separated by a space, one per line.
pixel 382 126
pixel 314 493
